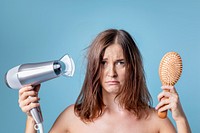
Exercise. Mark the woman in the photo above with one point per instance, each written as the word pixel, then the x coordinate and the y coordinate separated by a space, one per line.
pixel 114 96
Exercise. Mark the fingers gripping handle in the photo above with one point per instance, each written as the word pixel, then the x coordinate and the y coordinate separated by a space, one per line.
pixel 36 113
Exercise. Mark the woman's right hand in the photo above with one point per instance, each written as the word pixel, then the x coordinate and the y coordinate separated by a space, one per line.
pixel 28 98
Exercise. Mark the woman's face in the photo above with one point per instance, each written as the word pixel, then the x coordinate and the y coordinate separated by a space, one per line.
pixel 113 69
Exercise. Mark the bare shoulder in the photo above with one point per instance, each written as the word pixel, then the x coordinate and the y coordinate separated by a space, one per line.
pixel 163 125
pixel 65 121
pixel 68 112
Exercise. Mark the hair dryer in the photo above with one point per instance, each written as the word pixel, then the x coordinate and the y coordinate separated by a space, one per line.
pixel 36 73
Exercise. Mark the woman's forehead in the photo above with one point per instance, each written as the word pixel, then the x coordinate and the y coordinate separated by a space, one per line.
pixel 114 51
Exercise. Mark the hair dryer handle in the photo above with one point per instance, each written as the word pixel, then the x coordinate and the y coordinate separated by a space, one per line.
pixel 37 115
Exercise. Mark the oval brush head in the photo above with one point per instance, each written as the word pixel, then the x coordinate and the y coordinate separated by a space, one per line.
pixel 170 70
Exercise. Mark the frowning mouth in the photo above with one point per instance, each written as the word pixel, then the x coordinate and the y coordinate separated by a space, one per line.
pixel 112 82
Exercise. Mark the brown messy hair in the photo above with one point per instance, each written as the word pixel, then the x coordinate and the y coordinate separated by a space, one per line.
pixel 134 95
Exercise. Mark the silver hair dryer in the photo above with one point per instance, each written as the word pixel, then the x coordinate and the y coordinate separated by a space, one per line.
pixel 36 73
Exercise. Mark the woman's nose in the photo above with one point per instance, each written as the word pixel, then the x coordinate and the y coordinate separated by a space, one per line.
pixel 112 71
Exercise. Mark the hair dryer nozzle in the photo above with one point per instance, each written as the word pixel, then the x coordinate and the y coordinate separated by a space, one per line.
pixel 69 65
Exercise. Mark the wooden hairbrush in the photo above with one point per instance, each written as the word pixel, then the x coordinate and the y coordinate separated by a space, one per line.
pixel 170 70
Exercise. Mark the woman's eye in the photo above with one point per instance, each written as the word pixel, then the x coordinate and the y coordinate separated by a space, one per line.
pixel 103 63
pixel 120 63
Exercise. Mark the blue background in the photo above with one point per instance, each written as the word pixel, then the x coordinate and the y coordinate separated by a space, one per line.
pixel 43 30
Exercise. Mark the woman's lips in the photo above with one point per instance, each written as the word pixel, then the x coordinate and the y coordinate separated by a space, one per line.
pixel 112 82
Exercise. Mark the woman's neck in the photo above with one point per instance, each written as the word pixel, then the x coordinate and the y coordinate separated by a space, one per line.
pixel 112 103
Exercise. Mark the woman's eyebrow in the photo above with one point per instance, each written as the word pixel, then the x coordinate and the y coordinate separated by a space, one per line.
pixel 120 59
pixel 104 59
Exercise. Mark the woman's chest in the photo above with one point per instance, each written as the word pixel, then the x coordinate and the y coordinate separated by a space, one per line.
pixel 117 125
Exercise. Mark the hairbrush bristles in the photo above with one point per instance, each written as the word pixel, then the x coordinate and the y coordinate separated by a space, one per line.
pixel 170 70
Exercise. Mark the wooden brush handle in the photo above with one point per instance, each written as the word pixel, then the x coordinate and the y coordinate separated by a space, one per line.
pixel 163 114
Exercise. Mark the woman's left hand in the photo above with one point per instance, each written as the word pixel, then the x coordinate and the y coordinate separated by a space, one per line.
pixel 170 102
